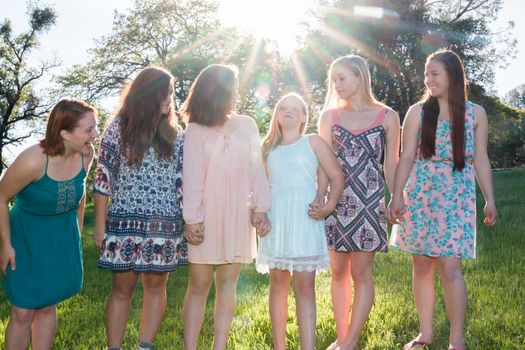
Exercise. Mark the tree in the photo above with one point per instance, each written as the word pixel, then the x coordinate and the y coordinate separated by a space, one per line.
pixel 516 97
pixel 397 43
pixel 20 104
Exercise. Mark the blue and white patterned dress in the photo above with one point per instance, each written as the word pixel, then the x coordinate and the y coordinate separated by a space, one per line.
pixel 144 223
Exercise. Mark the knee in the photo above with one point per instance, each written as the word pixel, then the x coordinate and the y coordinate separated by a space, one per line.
pixel 451 273
pixel 47 311
pixel 122 292
pixel 362 277
pixel 340 274
pixel 423 270
pixel 199 287
pixel 304 289
pixel 279 287
pixel 22 316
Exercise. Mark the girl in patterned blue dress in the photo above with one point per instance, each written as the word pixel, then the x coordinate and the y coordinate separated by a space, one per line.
pixel 139 168
pixel 359 129
pixel 296 244
pixel 41 256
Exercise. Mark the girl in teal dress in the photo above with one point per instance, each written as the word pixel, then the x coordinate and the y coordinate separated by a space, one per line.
pixel 41 257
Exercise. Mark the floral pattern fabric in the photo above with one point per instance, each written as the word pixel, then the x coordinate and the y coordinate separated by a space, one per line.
pixel 144 223
pixel 441 203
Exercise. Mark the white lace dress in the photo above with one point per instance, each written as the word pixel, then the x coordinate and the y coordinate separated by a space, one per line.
pixel 295 242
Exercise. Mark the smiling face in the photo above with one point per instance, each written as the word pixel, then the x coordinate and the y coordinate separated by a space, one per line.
pixel 83 134
pixel 345 82
pixel 436 79
pixel 291 113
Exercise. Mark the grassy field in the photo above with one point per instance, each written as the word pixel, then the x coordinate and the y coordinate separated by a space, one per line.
pixel 495 282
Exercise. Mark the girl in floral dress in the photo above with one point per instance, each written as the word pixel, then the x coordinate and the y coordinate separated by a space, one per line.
pixel 140 169
pixel 444 148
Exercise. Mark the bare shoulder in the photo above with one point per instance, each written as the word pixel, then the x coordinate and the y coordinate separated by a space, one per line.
pixel 391 117
pixel 414 113
pixel 30 163
pixel 479 111
pixel 314 139
pixel 326 116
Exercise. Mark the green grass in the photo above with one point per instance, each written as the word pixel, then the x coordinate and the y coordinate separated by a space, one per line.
pixel 495 282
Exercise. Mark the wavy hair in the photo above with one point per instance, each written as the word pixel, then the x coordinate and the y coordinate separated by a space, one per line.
pixel 143 125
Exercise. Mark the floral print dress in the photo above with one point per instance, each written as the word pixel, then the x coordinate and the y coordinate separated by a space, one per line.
pixel 441 203
pixel 144 223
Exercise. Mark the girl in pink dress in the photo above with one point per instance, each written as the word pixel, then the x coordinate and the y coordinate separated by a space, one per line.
pixel 444 148
pixel 224 186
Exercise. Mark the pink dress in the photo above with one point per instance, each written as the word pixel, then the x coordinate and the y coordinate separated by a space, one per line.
pixel 441 203
pixel 223 180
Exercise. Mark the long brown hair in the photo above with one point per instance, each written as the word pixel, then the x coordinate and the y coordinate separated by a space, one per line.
pixel 142 123
pixel 210 98
pixel 457 97
pixel 64 116
pixel 275 134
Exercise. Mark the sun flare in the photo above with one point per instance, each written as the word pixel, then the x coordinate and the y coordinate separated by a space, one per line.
pixel 277 20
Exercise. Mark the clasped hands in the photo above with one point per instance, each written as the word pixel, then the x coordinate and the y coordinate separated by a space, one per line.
pixel 194 233
pixel 261 223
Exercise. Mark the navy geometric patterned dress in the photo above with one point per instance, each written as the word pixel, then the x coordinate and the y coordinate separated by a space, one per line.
pixel 358 222
pixel 144 223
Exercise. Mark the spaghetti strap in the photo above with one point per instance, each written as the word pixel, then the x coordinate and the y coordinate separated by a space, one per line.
pixel 380 117
pixel 47 162
pixel 335 117
pixel 82 160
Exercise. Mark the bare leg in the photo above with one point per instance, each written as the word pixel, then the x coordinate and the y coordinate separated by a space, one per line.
pixel 361 269
pixel 18 331
pixel 424 295
pixel 199 283
pixel 341 293
pixel 154 304
pixel 279 285
pixel 44 328
pixel 225 298
pixel 118 306
pixel 304 289
pixel 456 297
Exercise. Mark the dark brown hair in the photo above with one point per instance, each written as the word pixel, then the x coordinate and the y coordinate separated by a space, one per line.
pixel 64 116
pixel 457 97
pixel 210 98
pixel 142 123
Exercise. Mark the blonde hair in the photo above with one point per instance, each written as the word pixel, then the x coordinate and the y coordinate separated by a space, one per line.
pixel 274 135
pixel 359 67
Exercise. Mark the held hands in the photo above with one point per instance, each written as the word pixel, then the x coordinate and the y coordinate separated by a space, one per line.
pixel 194 233
pixel 396 209
pixel 319 209
pixel 490 213
pixel 7 255
pixel 261 223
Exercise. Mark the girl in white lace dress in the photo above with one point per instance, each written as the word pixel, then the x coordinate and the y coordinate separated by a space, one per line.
pixel 296 243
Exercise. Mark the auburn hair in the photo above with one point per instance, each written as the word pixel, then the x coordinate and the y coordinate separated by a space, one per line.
pixel 65 115
pixel 142 123
pixel 457 97
pixel 211 99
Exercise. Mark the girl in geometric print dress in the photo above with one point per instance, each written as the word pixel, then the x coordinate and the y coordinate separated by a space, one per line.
pixel 140 169
pixel 444 148
pixel 359 129
pixel 41 256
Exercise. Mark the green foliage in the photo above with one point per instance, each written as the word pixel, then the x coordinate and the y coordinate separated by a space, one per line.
pixel 516 97
pixel 20 104
pixel 506 144
pixel 494 281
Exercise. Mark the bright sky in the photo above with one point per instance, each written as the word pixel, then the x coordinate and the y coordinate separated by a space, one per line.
pixel 79 22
